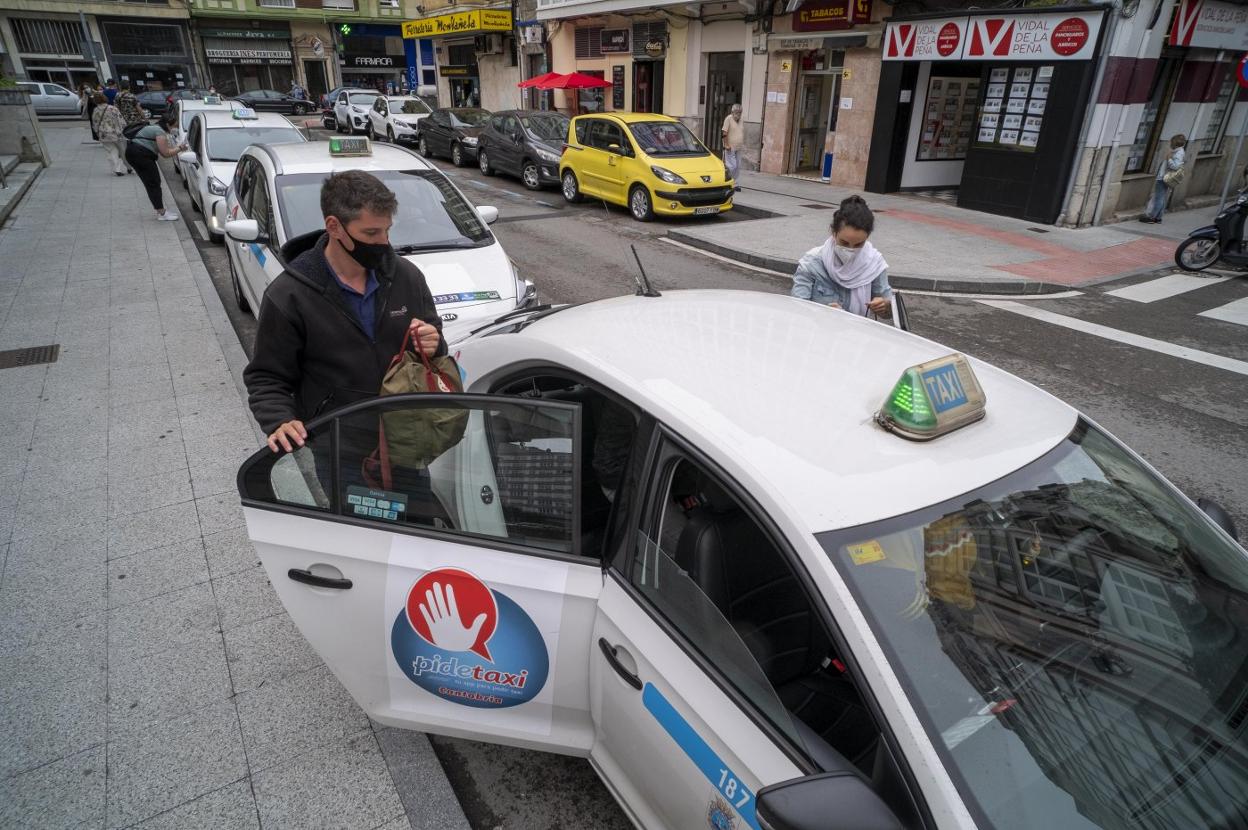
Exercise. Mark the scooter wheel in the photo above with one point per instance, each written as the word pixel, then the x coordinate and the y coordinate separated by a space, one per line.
pixel 1197 253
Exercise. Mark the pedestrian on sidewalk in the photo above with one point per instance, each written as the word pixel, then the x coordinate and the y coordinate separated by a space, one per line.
pixel 1169 174
pixel 734 141
pixel 108 125
pixel 86 93
pixel 149 144
pixel 127 103
pixel 330 323
pixel 846 272
pixel 110 90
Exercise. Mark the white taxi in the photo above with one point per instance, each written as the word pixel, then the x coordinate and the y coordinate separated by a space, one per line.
pixel 278 188
pixel 185 108
pixel 216 141
pixel 758 588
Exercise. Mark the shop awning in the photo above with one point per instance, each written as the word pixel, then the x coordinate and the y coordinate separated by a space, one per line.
pixel 459 23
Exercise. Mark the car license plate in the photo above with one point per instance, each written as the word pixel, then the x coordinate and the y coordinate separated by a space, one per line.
pixel 704 210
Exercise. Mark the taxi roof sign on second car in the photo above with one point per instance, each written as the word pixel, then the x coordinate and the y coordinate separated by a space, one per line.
pixel 933 398
pixel 245 114
pixel 355 146
pixel 212 99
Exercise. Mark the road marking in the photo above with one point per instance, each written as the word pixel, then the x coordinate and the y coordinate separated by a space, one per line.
pixel 1217 361
pixel 1233 312
pixel 203 231
pixel 1164 287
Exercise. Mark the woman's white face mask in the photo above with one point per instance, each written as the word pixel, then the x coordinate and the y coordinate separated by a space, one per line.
pixel 845 255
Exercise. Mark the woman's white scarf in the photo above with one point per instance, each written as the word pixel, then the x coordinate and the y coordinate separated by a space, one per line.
pixel 856 276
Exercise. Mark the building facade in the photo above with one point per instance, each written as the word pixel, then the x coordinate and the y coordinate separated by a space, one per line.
pixel 146 43
pixel 477 52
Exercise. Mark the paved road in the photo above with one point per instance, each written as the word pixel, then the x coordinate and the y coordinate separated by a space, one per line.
pixel 1150 365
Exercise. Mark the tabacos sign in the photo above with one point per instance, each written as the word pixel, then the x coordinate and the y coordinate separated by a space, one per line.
pixel 465 643
pixel 1004 37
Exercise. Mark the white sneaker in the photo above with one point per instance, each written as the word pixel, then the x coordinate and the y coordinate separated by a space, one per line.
pixel 167 216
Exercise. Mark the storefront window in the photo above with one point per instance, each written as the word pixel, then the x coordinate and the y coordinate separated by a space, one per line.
pixel 592 100
pixel 1221 111
pixel 1140 155
pixel 948 119
pixel 144 39
pixel 1012 114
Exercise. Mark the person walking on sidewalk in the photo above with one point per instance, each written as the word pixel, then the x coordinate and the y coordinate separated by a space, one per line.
pixel 86 93
pixel 1169 174
pixel 108 125
pixel 734 141
pixel 847 271
pixel 331 322
pixel 152 143
pixel 127 104
pixel 110 90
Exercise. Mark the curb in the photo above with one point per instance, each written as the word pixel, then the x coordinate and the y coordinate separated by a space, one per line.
pixel 6 210
pixel 1017 287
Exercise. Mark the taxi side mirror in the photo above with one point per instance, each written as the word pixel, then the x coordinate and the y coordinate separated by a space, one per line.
pixel 804 804
pixel 488 214
pixel 245 230
pixel 188 157
pixel 615 148
pixel 1219 515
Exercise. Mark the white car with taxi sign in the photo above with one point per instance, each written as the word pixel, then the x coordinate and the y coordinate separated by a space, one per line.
pixel 760 588
pixel 184 110
pixel 436 227
pixel 216 140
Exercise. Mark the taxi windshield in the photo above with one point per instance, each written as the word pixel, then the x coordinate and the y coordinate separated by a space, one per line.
pixel 228 143
pixel 432 216
pixel 1074 637
pixel 666 138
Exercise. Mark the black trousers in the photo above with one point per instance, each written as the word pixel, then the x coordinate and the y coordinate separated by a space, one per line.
pixel 144 163
pixel 91 121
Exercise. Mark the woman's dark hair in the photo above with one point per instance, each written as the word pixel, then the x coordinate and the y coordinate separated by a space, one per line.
pixel 168 121
pixel 855 213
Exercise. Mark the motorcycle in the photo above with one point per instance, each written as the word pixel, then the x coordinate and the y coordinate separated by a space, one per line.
pixel 1223 241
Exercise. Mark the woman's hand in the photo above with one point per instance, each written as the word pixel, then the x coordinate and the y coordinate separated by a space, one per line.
pixel 878 305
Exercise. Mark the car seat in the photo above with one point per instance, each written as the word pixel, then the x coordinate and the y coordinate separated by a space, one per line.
pixel 735 564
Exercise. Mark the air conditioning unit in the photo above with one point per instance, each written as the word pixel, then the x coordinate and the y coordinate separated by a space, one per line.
pixel 489 45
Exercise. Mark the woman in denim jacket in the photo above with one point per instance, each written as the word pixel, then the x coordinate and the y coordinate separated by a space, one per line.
pixel 847 271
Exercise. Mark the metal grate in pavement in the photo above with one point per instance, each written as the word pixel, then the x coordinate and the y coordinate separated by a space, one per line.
pixel 31 356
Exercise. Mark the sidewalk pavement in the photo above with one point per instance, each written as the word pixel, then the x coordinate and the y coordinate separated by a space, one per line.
pixel 151 678
pixel 932 245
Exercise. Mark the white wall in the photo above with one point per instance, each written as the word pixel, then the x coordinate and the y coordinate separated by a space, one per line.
pixel 925 173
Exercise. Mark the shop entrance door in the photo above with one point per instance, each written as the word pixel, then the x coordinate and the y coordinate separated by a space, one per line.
pixel 647 86
pixel 817 96
pixel 465 92
pixel 314 78
pixel 724 74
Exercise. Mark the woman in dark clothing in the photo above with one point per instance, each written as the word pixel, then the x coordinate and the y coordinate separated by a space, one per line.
pixel 152 143
pixel 87 93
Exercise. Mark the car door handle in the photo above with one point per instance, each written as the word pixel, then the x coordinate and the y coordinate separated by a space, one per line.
pixel 608 651
pixel 309 578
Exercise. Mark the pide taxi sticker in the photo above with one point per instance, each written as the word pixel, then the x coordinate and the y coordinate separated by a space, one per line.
pixel 465 643
pixel 865 553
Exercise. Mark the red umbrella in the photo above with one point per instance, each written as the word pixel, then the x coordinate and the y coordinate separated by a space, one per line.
pixel 539 80
pixel 575 80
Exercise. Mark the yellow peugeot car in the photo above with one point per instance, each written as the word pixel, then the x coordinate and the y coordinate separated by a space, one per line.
pixel 646 162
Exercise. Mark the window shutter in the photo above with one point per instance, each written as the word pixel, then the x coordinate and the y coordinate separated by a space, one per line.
pixel 643 33
pixel 589 41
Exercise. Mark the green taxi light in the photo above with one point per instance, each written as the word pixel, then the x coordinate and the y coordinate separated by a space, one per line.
pixel 933 398
pixel 212 99
pixel 355 146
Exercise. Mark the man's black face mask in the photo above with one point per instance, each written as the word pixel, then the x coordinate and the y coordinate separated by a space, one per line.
pixel 369 254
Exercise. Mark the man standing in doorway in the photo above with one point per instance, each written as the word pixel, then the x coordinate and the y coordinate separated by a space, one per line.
pixel 734 140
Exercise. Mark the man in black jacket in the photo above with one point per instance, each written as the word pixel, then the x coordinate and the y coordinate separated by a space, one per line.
pixel 331 322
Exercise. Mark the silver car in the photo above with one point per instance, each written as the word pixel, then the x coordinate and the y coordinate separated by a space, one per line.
pixel 52 99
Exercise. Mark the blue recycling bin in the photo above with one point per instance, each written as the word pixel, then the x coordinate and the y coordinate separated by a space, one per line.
pixel 827 167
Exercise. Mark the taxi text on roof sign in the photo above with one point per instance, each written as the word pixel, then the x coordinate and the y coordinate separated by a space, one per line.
pixel 356 146
pixel 478 20
pixel 212 99
pixel 245 114
pixel 933 398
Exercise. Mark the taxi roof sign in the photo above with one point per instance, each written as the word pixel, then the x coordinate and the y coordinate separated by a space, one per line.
pixel 245 114
pixel 212 99
pixel 933 398
pixel 354 146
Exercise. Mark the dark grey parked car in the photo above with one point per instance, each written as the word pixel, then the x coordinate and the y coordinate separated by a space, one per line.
pixel 524 143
